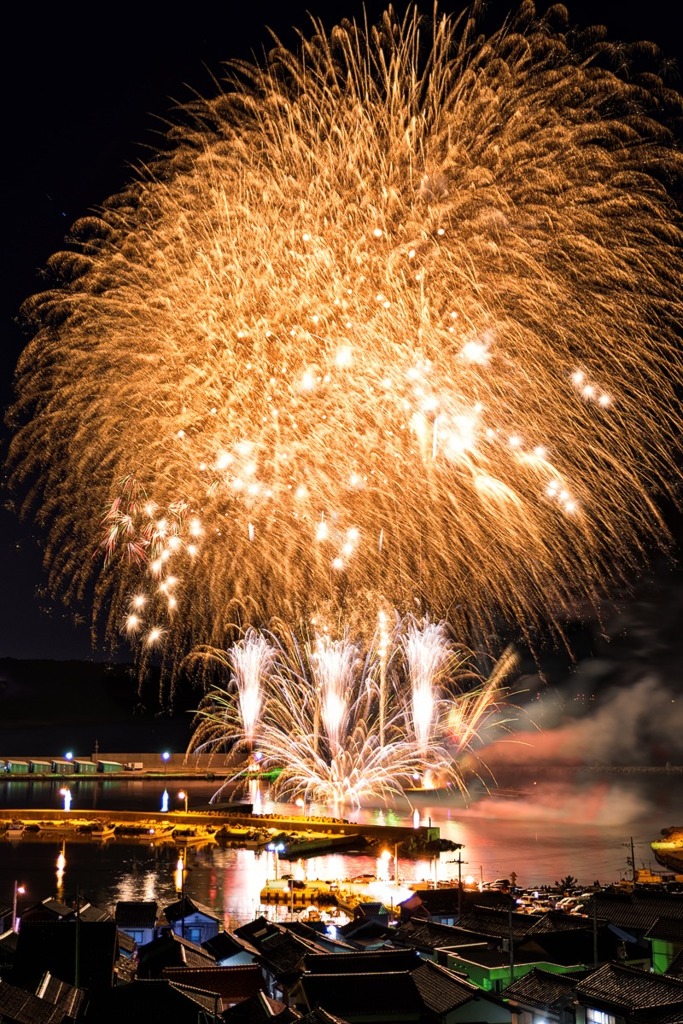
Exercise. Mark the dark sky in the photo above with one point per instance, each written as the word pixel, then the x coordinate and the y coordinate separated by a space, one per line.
pixel 81 94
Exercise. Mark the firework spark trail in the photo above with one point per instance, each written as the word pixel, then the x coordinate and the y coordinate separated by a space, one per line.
pixel 427 653
pixel 359 753
pixel 391 321
pixel 250 661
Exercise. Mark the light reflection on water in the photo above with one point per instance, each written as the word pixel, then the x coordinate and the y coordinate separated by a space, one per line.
pixel 541 830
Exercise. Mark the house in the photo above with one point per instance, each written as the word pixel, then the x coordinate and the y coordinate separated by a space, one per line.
pixel 446 905
pixel 383 998
pixel 232 985
pixel 143 1002
pixel 281 954
pixel 323 935
pixel 319 1016
pixel 632 916
pixel 17 1006
pixel 629 994
pixel 450 999
pixel 542 996
pixel 229 951
pixel 427 937
pixel 666 942
pixel 263 1009
pixel 68 998
pixel 48 909
pixel 80 953
pixel 192 920
pixel 137 919
pixel 612 993
pixel 384 961
pixel 170 950
pixel 352 981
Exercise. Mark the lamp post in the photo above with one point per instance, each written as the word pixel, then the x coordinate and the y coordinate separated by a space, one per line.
pixel 276 848
pixel 164 757
pixel 17 889
pixel 184 795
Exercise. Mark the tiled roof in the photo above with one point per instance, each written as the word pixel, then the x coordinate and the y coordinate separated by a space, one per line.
pixel 363 994
pixel 223 946
pixel 260 1010
pixel 441 990
pixel 170 950
pixel 498 924
pixel 186 907
pixel 631 989
pixel 371 962
pixel 556 921
pixel 447 901
pixel 255 931
pixel 670 929
pixel 428 935
pixel 18 1005
pixel 57 992
pixel 491 956
pixel 317 932
pixel 153 1000
pixel 233 984
pixel 136 914
pixel 51 946
pixel 48 910
pixel 635 911
pixel 541 990
pixel 282 953
pixel 320 1016
pixel 88 912
pixel 376 909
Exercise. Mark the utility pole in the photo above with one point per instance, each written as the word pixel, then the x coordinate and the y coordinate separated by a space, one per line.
pixel 460 864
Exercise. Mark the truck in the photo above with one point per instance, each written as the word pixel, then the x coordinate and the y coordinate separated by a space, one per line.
pixel 133 766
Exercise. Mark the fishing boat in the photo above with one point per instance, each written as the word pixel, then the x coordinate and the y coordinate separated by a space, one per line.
pixel 151 832
pixel 103 830
pixel 193 836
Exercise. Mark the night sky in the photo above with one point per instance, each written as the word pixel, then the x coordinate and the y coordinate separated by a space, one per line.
pixel 84 95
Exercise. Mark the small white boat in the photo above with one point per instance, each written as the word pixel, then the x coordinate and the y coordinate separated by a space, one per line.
pixel 15 830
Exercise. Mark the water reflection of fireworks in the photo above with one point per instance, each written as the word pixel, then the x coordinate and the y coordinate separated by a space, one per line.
pixel 345 726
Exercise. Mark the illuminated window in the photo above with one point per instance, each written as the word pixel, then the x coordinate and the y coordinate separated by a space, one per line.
pixel 599 1017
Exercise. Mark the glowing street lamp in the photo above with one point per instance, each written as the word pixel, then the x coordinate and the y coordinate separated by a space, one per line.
pixel 164 757
pixel 18 889
pixel 277 849
pixel 184 795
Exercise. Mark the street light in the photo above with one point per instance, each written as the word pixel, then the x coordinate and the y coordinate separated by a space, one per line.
pixel 277 849
pixel 164 757
pixel 184 795
pixel 17 889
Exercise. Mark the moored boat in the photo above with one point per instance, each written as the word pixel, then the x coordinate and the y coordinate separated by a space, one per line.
pixel 193 836
pixel 103 830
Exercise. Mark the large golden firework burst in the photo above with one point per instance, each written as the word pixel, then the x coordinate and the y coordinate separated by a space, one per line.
pixel 392 321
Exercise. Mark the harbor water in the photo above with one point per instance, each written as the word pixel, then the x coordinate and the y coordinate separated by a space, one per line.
pixel 541 829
